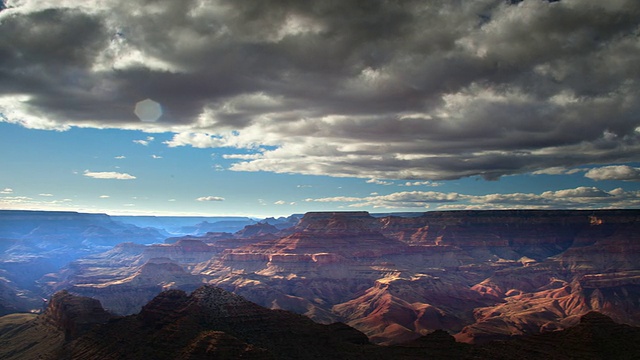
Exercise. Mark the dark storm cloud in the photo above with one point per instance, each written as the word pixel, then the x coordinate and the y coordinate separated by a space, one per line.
pixel 376 89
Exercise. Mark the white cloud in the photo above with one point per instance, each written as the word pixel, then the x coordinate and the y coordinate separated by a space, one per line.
pixel 421 183
pixel 15 199
pixel 156 156
pixel 104 196
pixel 120 157
pixel 108 175
pixel 579 192
pixel 379 182
pixel 210 198
pixel 6 191
pixel 615 172
pixel 280 202
pixel 241 156
pixel 145 142
pixel 197 140
pixel 46 195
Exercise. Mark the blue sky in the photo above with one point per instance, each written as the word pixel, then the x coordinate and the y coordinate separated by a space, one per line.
pixel 412 107
pixel 49 170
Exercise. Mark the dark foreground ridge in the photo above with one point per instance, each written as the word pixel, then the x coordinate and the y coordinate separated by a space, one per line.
pixel 213 323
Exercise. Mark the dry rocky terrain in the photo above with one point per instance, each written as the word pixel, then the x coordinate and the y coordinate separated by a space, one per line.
pixel 479 275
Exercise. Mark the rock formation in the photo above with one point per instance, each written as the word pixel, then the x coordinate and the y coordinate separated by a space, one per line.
pixel 480 275
pixel 213 323
pixel 74 315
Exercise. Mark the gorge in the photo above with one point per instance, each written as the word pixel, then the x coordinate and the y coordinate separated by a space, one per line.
pixel 479 275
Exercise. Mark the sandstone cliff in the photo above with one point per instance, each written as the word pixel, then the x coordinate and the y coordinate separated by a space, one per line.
pixel 481 274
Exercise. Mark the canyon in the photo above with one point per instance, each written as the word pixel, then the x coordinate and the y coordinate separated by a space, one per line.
pixel 213 323
pixel 478 275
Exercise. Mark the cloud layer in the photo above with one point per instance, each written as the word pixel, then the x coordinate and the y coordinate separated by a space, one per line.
pixel 580 197
pixel 618 172
pixel 408 90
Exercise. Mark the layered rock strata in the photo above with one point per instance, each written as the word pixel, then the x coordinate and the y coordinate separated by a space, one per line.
pixel 481 275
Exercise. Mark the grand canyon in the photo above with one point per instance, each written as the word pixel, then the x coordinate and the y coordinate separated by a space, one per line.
pixel 394 282
pixel 319 179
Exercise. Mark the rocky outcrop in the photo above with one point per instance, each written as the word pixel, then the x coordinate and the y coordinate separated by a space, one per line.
pixel 398 309
pixel 216 322
pixel 260 229
pixel 537 306
pixel 595 336
pixel 74 315
pixel 213 323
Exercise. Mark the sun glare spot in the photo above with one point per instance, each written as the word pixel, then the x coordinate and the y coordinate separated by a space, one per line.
pixel 148 110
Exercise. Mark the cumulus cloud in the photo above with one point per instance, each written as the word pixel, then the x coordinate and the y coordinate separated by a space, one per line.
pixel 408 90
pixel 120 157
pixel 210 198
pixel 145 142
pixel 46 195
pixel 616 172
pixel 6 191
pixel 108 175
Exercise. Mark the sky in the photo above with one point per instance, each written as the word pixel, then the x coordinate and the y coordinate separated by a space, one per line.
pixel 269 108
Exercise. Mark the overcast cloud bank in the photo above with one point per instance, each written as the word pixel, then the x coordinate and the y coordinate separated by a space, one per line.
pixel 409 90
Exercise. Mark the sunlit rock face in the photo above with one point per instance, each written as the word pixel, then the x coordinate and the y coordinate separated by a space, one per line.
pixel 480 275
